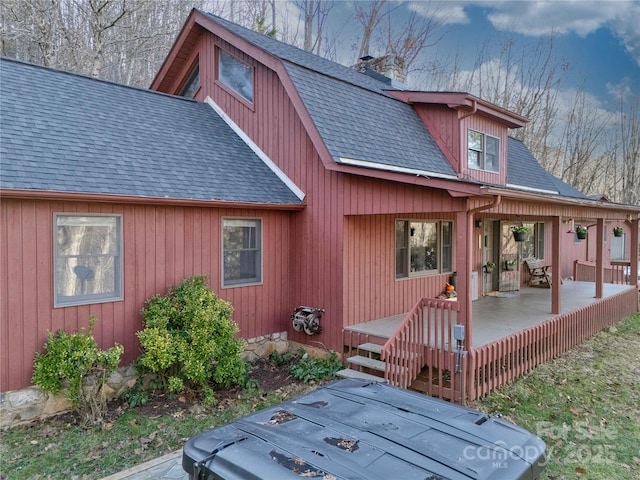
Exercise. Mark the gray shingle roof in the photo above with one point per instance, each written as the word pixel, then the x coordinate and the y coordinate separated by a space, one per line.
pixel 524 170
pixel 355 117
pixel 70 133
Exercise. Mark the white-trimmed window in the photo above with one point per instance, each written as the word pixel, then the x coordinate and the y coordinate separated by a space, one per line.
pixel 423 247
pixel 483 151
pixel 241 251
pixel 235 74
pixel 88 260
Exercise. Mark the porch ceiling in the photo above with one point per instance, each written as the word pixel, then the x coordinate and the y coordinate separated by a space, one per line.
pixel 495 317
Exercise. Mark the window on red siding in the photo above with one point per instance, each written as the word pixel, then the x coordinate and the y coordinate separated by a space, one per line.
pixel 483 151
pixel 88 263
pixel 423 247
pixel 242 251
pixel 236 75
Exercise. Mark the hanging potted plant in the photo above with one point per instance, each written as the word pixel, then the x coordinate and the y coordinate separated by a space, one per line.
pixel 617 231
pixel 520 233
pixel 581 232
pixel 510 265
pixel 489 266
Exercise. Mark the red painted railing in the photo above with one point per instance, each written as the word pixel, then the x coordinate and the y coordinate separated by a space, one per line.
pixel 425 329
pixel 618 272
pixel 504 360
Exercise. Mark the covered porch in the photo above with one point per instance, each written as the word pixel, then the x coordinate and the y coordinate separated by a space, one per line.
pixel 512 333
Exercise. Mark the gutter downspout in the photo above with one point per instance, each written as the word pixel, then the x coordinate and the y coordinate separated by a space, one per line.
pixel 474 109
pixel 494 203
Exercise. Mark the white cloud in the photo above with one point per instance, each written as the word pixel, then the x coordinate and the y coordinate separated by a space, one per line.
pixel 446 13
pixel 543 17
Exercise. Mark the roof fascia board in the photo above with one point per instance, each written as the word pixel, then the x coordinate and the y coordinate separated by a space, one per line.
pixel 560 200
pixel 175 49
pixel 139 200
pixel 532 189
pixel 455 188
pixel 465 102
pixel 251 144
pixel 394 168
pixel 228 36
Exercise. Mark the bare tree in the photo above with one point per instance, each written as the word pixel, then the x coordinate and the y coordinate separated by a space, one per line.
pixel 369 14
pixel 315 14
pixel 624 151
pixel 582 156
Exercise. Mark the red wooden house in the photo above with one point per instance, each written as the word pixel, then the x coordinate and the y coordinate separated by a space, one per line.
pixel 291 181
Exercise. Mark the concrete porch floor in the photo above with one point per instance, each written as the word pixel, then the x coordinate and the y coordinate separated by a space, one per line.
pixel 495 317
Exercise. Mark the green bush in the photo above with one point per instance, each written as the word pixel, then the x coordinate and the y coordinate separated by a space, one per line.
pixel 310 369
pixel 74 364
pixel 189 339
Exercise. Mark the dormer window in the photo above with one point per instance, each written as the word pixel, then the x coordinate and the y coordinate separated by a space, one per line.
pixel 483 152
pixel 235 74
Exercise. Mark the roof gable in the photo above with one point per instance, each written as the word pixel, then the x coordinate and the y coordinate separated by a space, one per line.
pixel 69 133
pixel 356 118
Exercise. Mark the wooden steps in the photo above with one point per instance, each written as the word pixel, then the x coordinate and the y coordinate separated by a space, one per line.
pixel 350 373
pixel 366 365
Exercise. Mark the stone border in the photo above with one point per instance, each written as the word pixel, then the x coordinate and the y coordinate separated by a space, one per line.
pixel 30 404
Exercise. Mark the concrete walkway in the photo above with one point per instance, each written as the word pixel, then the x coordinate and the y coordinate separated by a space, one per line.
pixel 167 467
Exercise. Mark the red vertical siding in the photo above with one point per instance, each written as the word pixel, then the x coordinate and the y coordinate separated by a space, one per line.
pixel 161 246
pixel 371 289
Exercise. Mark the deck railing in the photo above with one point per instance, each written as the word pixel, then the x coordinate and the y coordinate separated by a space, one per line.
pixel 426 328
pixel 502 361
pixel 618 272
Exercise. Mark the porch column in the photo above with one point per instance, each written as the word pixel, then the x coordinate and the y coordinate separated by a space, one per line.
pixel 633 277
pixel 464 258
pixel 600 258
pixel 555 264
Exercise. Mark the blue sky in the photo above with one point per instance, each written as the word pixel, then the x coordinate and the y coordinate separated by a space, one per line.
pixel 599 39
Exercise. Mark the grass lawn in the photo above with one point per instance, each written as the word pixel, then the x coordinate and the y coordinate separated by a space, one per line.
pixel 585 405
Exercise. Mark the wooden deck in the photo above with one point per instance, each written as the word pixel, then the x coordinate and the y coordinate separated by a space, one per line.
pixel 512 332
pixel 497 316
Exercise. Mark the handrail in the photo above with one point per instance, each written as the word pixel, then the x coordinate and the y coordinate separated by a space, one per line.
pixel 404 352
pixel 617 272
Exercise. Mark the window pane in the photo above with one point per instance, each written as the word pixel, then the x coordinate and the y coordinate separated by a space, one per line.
pixel 424 246
pixel 193 84
pixel 241 251
pixel 235 74
pixel 492 154
pixel 529 245
pixel 402 239
pixel 474 159
pixel 475 141
pixel 447 246
pixel 539 234
pixel 87 263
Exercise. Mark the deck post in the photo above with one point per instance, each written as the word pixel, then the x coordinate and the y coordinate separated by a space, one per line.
pixel 633 273
pixel 464 258
pixel 600 258
pixel 555 264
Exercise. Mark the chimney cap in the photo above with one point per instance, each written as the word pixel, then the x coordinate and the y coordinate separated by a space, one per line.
pixel 366 58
